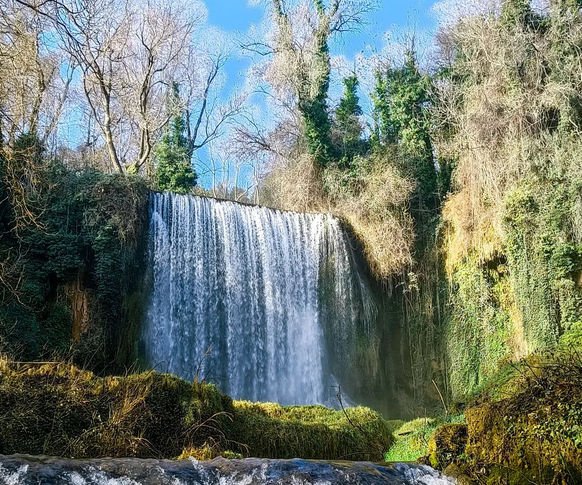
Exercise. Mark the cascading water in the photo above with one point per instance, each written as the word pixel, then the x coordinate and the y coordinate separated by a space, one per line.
pixel 254 299
pixel 127 471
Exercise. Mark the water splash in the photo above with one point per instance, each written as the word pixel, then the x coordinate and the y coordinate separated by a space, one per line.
pixel 254 299
pixel 131 471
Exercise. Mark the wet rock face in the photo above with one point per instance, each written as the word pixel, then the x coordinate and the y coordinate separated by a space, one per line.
pixel 39 470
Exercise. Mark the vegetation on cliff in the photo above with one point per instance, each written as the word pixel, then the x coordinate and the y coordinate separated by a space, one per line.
pixel 464 189
pixel 71 244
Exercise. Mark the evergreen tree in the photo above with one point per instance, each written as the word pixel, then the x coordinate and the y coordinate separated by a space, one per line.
pixel 174 170
pixel 347 122
pixel 400 108
pixel 383 131
pixel 516 12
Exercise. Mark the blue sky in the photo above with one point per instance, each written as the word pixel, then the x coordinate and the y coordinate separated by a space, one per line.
pixel 235 17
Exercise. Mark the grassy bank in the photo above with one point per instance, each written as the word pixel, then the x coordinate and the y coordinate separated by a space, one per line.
pixel 60 410
pixel 524 426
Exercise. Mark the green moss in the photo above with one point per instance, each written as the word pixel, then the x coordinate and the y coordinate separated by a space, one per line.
pixel 527 431
pixel 411 439
pixel 60 410
pixel 310 432
pixel 447 444
pixel 479 329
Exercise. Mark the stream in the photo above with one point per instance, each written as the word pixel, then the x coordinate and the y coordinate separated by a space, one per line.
pixel 17 470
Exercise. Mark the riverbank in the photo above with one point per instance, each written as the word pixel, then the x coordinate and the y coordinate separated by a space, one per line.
pixel 523 427
pixel 60 410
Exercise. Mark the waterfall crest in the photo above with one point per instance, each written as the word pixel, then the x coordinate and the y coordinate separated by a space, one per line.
pixel 260 301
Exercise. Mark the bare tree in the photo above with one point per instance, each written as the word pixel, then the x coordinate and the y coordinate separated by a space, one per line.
pixel 207 116
pixel 130 53
pixel 94 33
pixel 293 73
pixel 34 80
pixel 297 45
pixel 163 32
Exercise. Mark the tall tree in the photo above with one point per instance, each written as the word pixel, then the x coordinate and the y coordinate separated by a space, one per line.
pixel 125 52
pixel 174 170
pixel 300 67
pixel 348 128
pixel 34 80
pixel 516 12
pixel 313 80
pixel 400 103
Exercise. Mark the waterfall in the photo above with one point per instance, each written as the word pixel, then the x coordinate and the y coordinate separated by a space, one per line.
pixel 262 302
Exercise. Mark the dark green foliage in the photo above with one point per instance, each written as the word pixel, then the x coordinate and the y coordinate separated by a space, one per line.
pixel 318 129
pixel 516 12
pixel 81 242
pixel 174 171
pixel 348 129
pixel 313 106
pixel 401 99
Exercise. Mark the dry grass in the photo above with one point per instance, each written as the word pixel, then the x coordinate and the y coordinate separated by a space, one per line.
pixel 372 198
pixel 501 116
pixel 376 207
pixel 295 186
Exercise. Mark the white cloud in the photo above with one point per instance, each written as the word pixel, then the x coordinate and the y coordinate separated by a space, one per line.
pixel 449 12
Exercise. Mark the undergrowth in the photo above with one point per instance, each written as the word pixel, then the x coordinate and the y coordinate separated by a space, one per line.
pixel 71 247
pixel 524 425
pixel 60 410
pixel 412 438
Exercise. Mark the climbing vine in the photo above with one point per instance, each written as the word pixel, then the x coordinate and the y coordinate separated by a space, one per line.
pixel 80 249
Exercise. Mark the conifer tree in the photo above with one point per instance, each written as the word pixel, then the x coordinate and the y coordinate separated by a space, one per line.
pixel 174 171
pixel 400 106
pixel 347 121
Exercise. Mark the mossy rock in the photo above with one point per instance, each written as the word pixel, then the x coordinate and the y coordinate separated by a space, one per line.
pixel 60 410
pixel 313 432
pixel 411 439
pixel 447 444
pixel 537 431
